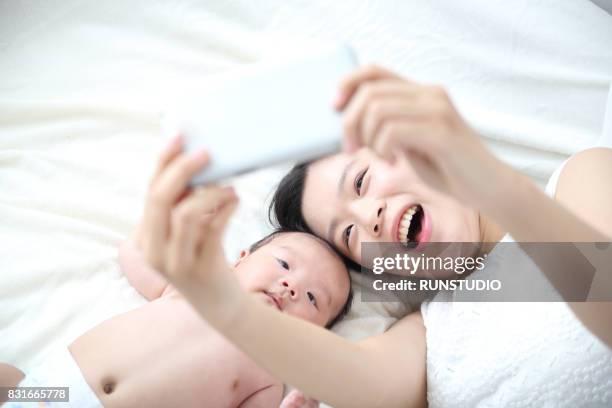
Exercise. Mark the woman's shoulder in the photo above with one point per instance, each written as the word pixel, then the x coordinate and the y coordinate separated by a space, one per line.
pixel 584 186
pixel 593 165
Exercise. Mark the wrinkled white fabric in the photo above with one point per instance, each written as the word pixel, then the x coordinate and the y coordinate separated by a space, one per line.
pixel 82 83
pixel 513 354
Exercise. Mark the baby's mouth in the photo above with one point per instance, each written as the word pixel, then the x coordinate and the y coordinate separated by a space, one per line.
pixel 410 227
pixel 274 300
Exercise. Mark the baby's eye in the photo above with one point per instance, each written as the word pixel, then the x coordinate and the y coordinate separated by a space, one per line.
pixel 282 263
pixel 347 235
pixel 312 299
pixel 359 181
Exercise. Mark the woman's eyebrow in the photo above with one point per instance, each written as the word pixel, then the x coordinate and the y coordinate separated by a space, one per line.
pixel 345 172
pixel 331 231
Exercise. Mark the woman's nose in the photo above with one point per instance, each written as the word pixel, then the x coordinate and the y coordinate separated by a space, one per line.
pixel 370 215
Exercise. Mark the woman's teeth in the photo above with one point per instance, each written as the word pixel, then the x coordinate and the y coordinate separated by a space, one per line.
pixel 402 234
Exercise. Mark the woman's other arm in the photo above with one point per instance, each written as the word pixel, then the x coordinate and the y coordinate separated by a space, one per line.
pixel 390 114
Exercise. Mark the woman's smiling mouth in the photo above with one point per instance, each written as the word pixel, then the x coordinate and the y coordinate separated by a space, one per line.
pixel 412 227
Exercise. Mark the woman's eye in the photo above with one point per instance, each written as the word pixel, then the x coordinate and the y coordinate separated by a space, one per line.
pixel 347 235
pixel 312 299
pixel 359 181
pixel 282 263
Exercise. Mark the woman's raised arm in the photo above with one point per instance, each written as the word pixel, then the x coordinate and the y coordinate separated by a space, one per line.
pixel 392 115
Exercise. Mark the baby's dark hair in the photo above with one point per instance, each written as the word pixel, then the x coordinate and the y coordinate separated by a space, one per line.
pixel 349 300
pixel 285 210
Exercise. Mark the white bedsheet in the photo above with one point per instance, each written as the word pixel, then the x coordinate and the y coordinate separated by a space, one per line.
pixel 513 354
pixel 82 84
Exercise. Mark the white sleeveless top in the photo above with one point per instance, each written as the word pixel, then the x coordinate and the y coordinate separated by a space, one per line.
pixel 513 354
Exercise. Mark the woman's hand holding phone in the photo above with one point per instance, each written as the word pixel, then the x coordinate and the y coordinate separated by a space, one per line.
pixel 181 231
pixel 393 115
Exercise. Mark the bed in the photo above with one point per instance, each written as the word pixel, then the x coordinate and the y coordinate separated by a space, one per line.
pixel 82 85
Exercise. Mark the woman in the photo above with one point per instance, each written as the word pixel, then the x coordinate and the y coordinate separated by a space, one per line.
pixel 420 154
pixel 391 116
pixel 436 163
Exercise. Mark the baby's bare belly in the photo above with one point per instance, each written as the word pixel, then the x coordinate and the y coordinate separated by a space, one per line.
pixel 164 355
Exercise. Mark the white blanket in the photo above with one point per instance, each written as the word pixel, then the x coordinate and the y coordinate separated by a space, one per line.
pixel 82 83
pixel 513 354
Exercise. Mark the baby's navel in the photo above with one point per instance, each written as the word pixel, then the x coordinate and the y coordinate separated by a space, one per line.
pixel 235 384
pixel 108 387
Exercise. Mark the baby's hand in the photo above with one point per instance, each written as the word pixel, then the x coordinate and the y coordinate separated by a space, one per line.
pixel 181 231
pixel 295 399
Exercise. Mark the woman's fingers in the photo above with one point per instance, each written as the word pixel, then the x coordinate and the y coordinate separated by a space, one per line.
pixel 173 181
pixel 143 231
pixel 419 142
pixel 392 103
pixel 193 223
pixel 184 231
pixel 172 149
pixel 387 110
pixel 163 194
pixel 369 95
pixel 414 135
pixel 350 83
pixel 210 253
pixel 209 211
pixel 225 208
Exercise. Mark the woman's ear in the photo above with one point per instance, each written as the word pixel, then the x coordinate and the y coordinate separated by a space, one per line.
pixel 243 254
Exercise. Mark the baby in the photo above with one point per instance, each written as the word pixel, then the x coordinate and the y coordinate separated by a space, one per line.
pixel 164 354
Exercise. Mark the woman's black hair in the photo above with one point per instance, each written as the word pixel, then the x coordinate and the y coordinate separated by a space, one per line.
pixel 285 210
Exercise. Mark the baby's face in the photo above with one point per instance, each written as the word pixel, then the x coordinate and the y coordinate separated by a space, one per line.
pixel 297 274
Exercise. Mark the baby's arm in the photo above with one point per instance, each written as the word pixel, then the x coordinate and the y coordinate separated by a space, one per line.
pixel 148 282
pixel 268 397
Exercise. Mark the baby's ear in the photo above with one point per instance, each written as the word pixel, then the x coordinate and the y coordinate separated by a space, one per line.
pixel 243 254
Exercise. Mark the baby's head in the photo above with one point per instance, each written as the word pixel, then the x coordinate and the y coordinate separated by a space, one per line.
pixel 299 274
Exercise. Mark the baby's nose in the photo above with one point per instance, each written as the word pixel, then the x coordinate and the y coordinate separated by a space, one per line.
pixel 289 289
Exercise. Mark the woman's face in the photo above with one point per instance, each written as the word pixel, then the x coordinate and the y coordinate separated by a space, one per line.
pixel 353 198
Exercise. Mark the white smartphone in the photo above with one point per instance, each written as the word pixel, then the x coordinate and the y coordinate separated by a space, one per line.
pixel 265 114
